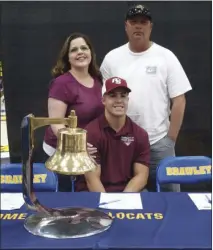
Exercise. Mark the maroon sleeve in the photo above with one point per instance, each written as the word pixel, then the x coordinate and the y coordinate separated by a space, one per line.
pixel 142 148
pixel 62 90
pixel 93 137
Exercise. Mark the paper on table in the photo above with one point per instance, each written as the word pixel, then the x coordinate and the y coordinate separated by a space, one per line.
pixel 203 201
pixel 120 201
pixel 11 201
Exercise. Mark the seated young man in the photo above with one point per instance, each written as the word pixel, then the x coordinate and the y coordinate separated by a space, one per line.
pixel 123 150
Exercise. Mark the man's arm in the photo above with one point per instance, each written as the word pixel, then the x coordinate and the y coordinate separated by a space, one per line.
pixel 178 84
pixel 139 181
pixel 93 180
pixel 141 163
pixel 177 114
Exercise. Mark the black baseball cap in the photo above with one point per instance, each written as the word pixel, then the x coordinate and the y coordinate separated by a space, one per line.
pixel 138 10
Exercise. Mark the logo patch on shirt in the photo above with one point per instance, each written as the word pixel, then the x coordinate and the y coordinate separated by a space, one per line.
pixel 127 140
pixel 151 70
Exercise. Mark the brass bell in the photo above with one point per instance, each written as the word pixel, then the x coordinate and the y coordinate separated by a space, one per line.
pixel 71 156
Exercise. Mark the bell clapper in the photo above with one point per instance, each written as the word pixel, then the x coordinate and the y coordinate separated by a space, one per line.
pixel 73 179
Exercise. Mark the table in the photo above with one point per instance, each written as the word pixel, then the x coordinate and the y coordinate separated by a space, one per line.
pixel 167 221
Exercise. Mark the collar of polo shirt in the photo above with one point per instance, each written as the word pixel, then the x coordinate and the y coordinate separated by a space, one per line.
pixel 124 131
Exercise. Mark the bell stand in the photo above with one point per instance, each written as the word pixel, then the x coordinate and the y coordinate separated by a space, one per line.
pixel 58 223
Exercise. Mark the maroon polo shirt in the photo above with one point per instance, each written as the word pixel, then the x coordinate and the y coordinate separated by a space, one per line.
pixel 85 101
pixel 116 152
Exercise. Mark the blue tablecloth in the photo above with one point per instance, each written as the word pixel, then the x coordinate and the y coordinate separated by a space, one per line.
pixel 183 226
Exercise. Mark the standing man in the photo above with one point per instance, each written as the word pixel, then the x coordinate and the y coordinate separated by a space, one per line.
pixel 123 150
pixel 156 78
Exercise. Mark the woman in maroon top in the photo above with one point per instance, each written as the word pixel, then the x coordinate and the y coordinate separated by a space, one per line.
pixel 77 85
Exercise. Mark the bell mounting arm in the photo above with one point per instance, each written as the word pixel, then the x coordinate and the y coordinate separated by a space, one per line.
pixel 28 126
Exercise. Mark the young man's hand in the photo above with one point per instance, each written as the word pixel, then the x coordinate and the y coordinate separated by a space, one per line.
pixel 91 150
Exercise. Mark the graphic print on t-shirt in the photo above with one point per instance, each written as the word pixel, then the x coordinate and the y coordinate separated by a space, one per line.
pixel 127 139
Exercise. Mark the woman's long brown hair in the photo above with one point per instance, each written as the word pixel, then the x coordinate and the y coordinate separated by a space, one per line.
pixel 63 65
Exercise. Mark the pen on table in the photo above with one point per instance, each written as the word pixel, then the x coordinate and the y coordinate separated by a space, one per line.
pixel 208 199
pixel 106 203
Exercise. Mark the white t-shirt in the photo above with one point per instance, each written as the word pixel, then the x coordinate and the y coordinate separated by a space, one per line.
pixel 154 76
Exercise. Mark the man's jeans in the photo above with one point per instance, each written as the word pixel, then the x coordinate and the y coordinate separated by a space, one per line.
pixel 159 150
